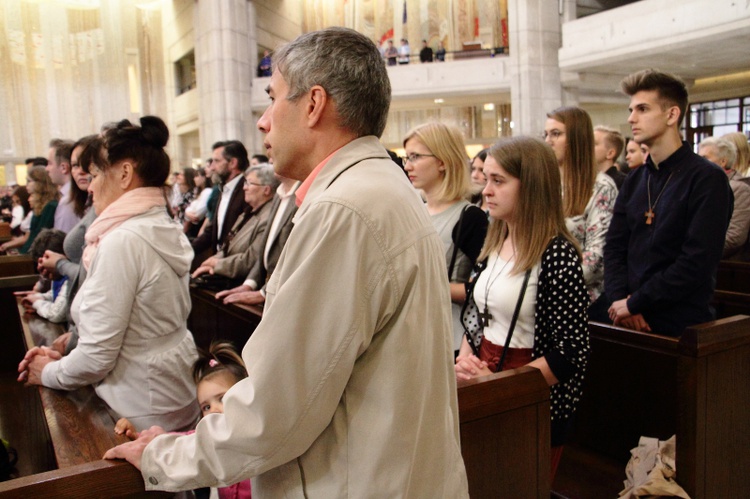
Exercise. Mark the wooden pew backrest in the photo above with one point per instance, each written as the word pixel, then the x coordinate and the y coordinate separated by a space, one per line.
pixel 505 434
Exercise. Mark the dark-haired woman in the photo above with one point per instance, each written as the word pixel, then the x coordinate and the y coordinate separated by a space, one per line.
pixel 187 190
pixel 68 264
pixel 478 180
pixel 20 209
pixel 131 312
pixel 198 209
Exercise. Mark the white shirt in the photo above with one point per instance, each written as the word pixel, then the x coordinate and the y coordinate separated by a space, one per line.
pixel 199 207
pixel 18 216
pixel 286 198
pixel 501 299
pixel 226 194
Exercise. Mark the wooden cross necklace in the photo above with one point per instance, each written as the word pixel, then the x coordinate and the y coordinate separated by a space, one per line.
pixel 650 213
pixel 485 316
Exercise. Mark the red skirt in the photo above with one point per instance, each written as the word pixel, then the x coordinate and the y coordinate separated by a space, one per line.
pixel 491 354
pixel 516 357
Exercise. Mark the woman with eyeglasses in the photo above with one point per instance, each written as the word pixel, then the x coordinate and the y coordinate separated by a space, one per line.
pixel 588 197
pixel 435 162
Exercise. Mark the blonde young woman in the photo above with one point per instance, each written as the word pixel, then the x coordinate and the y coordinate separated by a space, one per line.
pixel 45 198
pixel 742 165
pixel 588 196
pixel 530 257
pixel 436 163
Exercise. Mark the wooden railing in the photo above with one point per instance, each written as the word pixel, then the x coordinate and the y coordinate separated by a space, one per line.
pixel 696 386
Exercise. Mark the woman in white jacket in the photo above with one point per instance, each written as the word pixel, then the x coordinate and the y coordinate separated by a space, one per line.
pixel 131 311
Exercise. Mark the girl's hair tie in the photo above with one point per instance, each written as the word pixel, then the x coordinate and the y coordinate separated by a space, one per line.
pixel 213 363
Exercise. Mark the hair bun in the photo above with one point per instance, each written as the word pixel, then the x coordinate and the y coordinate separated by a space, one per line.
pixel 154 131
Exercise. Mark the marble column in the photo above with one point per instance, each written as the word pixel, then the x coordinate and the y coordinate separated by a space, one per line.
pixel 225 54
pixel 535 39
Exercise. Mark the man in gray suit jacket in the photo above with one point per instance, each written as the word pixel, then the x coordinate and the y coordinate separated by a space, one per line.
pixel 252 291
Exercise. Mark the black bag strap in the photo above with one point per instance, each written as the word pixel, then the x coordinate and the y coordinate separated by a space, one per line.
pixel 478 269
pixel 455 243
pixel 514 319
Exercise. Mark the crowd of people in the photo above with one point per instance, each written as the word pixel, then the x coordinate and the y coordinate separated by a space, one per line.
pixel 402 54
pixel 369 278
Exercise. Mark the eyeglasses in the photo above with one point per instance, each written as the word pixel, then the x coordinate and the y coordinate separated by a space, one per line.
pixel 555 134
pixel 414 157
pixel 256 184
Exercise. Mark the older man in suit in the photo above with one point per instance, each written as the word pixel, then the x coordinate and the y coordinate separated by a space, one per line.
pixel 280 225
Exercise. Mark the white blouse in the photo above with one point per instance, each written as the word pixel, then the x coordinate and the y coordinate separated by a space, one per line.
pixel 499 290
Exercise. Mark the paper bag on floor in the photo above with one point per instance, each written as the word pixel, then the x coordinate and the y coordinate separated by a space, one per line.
pixel 651 470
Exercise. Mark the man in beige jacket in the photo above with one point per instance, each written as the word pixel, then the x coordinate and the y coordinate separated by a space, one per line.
pixel 351 391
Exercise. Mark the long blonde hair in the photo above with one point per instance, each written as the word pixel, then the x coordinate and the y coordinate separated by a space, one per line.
pixel 579 166
pixel 447 144
pixel 538 214
pixel 45 190
pixel 742 164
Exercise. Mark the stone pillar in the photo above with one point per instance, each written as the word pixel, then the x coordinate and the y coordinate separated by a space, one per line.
pixel 225 47
pixel 535 88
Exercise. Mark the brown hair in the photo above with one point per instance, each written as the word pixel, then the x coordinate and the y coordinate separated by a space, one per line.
pixel 539 215
pixel 77 196
pixel 221 357
pixel 671 89
pixel 579 167
pixel 63 149
pixel 613 138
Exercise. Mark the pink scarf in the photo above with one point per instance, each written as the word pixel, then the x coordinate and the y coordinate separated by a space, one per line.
pixel 130 204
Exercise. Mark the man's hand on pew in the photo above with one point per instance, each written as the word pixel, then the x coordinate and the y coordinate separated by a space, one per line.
pixel 132 451
pixel 30 368
pixel 227 292
pixel 206 267
pixel 621 316
pixel 246 298
pixel 637 323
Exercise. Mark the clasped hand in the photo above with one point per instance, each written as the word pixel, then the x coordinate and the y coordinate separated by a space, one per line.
pixel 621 316
pixel 469 366
pixel 30 368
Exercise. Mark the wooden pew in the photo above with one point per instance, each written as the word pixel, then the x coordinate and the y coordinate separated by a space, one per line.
pixel 696 386
pixel 732 295
pixel 505 434
pixel 733 276
pixel 60 436
pixel 16 265
pixel 5 232
pixel 210 319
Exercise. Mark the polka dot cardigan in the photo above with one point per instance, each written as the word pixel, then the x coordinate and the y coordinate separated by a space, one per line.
pixel 561 333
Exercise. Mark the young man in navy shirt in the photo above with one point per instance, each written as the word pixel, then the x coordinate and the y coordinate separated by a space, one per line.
pixel 670 219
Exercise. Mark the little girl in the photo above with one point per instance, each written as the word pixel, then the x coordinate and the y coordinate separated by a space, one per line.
pixel 215 372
